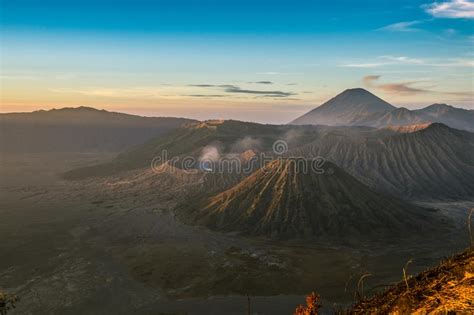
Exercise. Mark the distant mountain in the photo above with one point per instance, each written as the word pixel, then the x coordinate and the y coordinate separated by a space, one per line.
pixel 345 109
pixel 422 161
pixel 282 200
pixel 79 129
pixel 226 137
pixel 397 117
pixel 358 107
pixel 230 138
pixel 436 162
pixel 458 118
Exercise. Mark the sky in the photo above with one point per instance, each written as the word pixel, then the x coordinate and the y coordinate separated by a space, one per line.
pixel 254 60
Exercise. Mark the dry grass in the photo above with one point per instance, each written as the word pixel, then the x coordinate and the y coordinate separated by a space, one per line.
pixel 312 305
pixel 405 272
pixel 469 226
pixel 448 287
pixel 360 285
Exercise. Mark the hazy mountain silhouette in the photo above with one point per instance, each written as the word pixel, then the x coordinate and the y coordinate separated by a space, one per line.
pixel 79 129
pixel 454 117
pixel 423 161
pixel 358 107
pixel 397 117
pixel 282 200
pixel 345 109
pixel 190 140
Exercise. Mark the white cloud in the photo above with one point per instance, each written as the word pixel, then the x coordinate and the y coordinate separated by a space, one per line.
pixel 401 27
pixel 19 77
pixel 453 63
pixel 453 9
pixel 278 73
pixel 389 60
pixel 402 59
pixel 131 92
pixel 364 65
pixel 464 63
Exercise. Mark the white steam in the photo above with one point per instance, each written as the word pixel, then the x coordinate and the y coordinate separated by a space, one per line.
pixel 292 135
pixel 209 154
pixel 247 143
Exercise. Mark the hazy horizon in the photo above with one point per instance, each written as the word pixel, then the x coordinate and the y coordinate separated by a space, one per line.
pixel 229 157
pixel 258 61
pixel 235 115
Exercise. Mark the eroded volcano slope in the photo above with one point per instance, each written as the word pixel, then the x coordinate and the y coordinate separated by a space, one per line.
pixel 286 200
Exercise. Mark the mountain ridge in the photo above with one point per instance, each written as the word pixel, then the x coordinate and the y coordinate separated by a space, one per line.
pixel 424 161
pixel 79 129
pixel 359 107
pixel 283 200
pixel 434 162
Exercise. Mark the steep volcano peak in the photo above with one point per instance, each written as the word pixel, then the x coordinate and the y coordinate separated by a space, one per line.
pixel 285 200
pixel 345 109
pixel 355 91
pixel 358 98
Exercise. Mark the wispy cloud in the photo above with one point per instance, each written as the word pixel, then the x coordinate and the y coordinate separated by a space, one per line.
pixel 401 88
pixel 146 92
pixel 452 63
pixel 402 59
pixel 453 9
pixel 235 89
pixel 364 65
pixel 407 88
pixel 463 94
pixel 269 73
pixel 398 88
pixel 37 76
pixel 389 60
pixel 202 85
pixel 385 61
pixel 369 79
pixel 260 82
pixel 205 95
pixel 19 77
pixel 211 85
pixel 401 27
pixel 278 73
pixel 232 89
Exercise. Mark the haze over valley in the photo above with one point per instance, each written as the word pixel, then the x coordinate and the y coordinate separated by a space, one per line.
pixel 90 194
pixel 233 157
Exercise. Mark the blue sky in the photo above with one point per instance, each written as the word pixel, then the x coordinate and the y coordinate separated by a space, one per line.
pixel 255 60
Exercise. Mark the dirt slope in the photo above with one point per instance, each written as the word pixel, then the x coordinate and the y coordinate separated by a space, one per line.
pixel 447 288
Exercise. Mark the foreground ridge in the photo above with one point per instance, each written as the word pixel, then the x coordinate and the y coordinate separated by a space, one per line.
pixel 449 287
